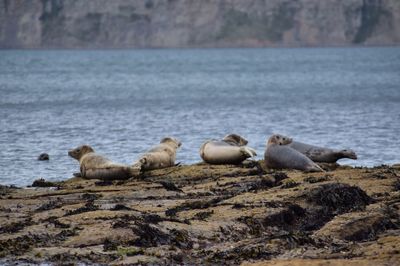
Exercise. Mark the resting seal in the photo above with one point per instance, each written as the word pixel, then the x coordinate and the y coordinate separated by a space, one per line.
pixel 279 155
pixel 230 150
pixel 321 154
pixel 161 156
pixel 94 166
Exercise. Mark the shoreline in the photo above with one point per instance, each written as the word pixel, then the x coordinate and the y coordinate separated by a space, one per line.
pixel 196 214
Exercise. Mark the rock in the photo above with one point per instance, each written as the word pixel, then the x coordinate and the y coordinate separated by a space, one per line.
pixel 41 182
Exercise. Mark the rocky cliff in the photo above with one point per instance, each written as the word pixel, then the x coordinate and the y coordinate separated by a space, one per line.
pixel 194 23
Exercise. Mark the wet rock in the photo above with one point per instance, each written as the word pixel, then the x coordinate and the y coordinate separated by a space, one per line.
pixel 43 157
pixel 41 182
pixel 366 228
pixel 4 190
pixel 77 174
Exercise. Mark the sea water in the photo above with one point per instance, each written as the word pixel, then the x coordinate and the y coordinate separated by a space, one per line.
pixel 122 102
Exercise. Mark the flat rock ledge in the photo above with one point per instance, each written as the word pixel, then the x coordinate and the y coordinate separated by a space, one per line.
pixel 204 214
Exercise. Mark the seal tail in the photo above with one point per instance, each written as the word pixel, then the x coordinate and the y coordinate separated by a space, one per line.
pixel 248 152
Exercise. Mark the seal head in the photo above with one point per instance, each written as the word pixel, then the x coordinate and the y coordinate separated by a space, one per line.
pixel 80 151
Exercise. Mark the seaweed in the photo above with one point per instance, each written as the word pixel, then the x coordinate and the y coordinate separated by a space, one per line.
pixel 169 186
pixel 16 226
pixel 339 198
pixel 53 204
pixel 90 196
pixel 120 207
pixel 200 204
pixel 41 182
pixel 203 215
pixel 54 220
pixel 149 236
pixel 89 206
pixel 104 183
pixel 313 179
pixel 290 184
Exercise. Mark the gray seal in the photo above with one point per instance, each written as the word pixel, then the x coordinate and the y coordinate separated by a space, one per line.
pixel 94 166
pixel 231 149
pixel 322 154
pixel 279 155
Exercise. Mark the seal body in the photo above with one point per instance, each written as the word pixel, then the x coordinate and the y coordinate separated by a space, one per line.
pixel 321 154
pixel 231 149
pixel 94 166
pixel 161 156
pixel 279 155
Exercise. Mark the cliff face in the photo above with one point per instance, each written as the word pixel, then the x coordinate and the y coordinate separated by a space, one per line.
pixel 194 23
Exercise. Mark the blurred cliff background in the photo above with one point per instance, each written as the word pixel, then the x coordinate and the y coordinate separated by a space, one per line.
pixel 197 23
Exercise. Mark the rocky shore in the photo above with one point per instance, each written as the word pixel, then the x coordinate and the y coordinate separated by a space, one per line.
pixel 203 214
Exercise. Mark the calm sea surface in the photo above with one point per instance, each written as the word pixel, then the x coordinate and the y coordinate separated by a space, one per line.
pixel 124 101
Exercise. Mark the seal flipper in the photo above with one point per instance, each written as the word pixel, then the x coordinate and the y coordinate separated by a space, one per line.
pixel 248 152
pixel 315 168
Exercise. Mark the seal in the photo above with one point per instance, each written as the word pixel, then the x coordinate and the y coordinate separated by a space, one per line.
pixel 94 166
pixel 160 156
pixel 231 149
pixel 322 154
pixel 278 155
